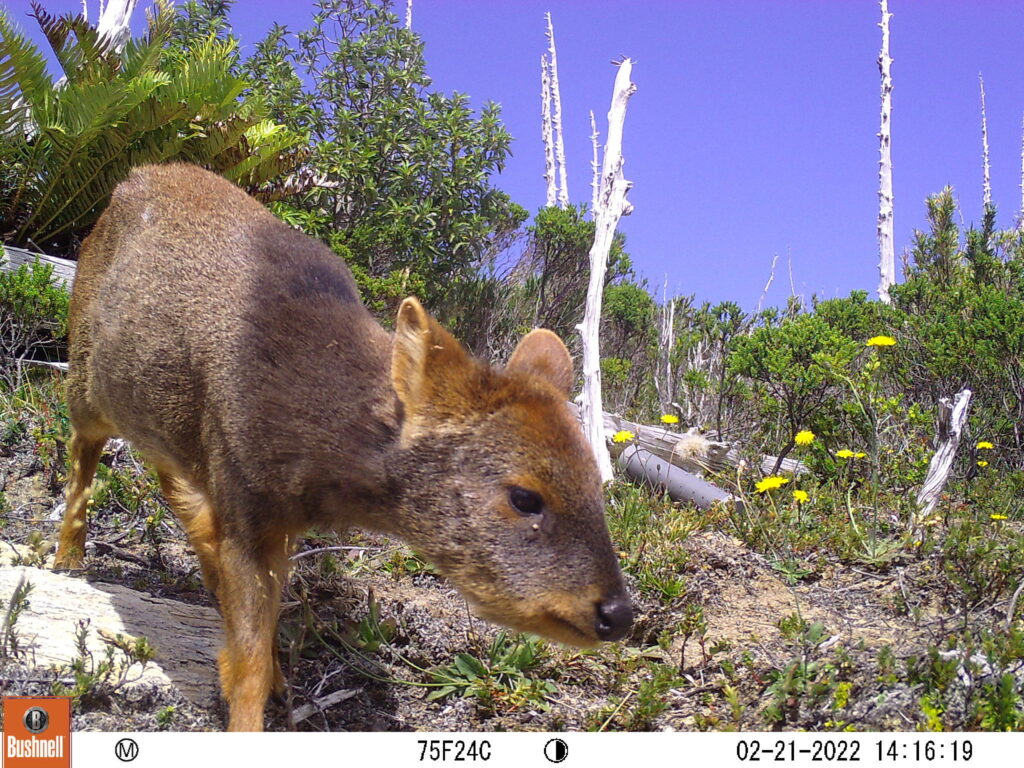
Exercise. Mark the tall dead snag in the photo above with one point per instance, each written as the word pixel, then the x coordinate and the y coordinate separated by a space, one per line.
pixel 886 247
pixel 986 184
pixel 546 131
pixel 611 206
pixel 952 417
pixel 595 164
pixel 1020 223
pixel 408 14
pixel 114 22
pixel 556 114
pixel 663 378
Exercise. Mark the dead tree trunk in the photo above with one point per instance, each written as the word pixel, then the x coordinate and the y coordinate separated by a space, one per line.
pixel 611 206
pixel 1020 222
pixel 114 22
pixel 886 247
pixel 556 115
pixel 952 417
pixel 595 165
pixel 546 131
pixel 986 183
pixel 663 381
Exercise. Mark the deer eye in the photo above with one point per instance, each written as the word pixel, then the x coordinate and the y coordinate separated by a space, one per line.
pixel 525 502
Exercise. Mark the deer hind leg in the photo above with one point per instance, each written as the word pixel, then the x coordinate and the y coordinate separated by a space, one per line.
pixel 83 457
pixel 252 576
pixel 195 511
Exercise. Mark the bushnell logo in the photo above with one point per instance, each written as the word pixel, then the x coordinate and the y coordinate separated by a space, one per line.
pixel 37 732
pixel 36 720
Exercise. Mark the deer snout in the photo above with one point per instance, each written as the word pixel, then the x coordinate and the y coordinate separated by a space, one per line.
pixel 614 618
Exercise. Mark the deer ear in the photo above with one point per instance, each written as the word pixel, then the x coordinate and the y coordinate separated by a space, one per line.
pixel 541 353
pixel 425 358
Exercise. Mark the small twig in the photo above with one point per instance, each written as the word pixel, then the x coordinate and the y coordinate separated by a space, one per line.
pixel 317 551
pixel 771 279
pixel 119 537
pixel 613 714
pixel 692 691
pixel 306 711
pixel 109 549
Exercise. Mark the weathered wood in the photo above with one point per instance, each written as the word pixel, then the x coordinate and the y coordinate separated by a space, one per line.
pixel 986 185
pixel 611 206
pixel 886 247
pixel 547 132
pixel 556 115
pixel 687 450
pixel 63 270
pixel 644 467
pixel 185 637
pixel 952 417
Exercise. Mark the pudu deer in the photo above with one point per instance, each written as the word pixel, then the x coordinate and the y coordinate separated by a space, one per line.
pixel 234 352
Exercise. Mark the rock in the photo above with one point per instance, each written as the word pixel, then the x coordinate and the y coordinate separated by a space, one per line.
pixel 185 637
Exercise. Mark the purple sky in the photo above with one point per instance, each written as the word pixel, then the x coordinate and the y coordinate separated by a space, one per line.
pixel 753 130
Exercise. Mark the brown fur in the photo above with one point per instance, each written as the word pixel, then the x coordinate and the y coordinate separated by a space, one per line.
pixel 235 354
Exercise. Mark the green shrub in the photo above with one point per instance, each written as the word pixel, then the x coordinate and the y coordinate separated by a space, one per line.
pixel 33 318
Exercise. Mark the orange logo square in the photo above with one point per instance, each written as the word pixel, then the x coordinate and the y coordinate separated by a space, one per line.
pixel 37 732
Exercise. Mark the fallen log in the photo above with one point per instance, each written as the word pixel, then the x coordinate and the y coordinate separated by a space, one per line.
pixel 63 270
pixel 644 467
pixel 686 450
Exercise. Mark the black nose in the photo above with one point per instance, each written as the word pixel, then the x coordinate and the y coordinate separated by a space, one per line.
pixel 614 618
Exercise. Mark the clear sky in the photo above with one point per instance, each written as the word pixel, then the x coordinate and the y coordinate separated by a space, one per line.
pixel 753 130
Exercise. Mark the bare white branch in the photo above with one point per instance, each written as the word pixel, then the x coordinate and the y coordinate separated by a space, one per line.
pixel 595 164
pixel 611 206
pixel 556 112
pixel 546 131
pixel 771 279
pixel 886 246
pixel 114 22
pixel 986 184
pixel 663 379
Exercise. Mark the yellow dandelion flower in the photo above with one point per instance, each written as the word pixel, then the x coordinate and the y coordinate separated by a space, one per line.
pixel 845 453
pixel 982 463
pixel 859 455
pixel 984 445
pixel 800 496
pixel 804 437
pixel 622 436
pixel 669 418
pixel 998 517
pixel 771 483
pixel 881 341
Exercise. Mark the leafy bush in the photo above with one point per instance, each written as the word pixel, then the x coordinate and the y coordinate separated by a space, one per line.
pixel 795 366
pixel 402 173
pixel 66 145
pixel 33 317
